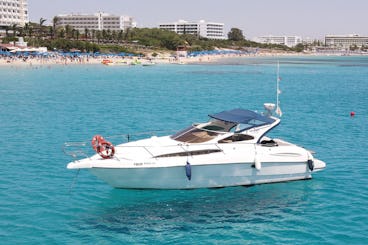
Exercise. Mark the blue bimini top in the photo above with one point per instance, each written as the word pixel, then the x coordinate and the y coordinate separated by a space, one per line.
pixel 242 116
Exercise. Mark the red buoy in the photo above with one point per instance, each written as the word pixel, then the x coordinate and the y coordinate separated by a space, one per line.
pixel 104 148
pixel 352 114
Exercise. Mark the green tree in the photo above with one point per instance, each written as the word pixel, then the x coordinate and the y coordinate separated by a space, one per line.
pixel 235 34
pixel 190 39
pixel 299 47
pixel 93 32
pixel 155 37
pixel 42 21
pixel 98 36
pixel 104 35
pixel 76 34
pixel 353 47
pixel 114 36
pixel 86 33
pixel 40 27
pixel 120 36
pixel 25 29
pixel 108 35
pixel 14 29
pixel 7 28
pixel 68 31
pixel 29 30
pixel 60 32
pixel 51 32
pixel 127 35
pixel 55 21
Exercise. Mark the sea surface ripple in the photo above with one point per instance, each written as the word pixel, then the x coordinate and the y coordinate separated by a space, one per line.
pixel 44 203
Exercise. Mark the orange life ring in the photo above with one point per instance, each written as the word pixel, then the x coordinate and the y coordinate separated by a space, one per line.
pixel 103 147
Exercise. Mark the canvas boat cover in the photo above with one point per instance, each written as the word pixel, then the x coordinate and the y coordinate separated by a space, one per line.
pixel 241 116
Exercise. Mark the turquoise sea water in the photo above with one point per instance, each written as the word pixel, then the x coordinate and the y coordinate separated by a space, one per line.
pixel 43 107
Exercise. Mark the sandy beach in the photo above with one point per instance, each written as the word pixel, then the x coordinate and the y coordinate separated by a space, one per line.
pixel 165 58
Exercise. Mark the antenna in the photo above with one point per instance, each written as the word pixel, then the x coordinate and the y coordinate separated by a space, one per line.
pixel 278 91
pixel 270 106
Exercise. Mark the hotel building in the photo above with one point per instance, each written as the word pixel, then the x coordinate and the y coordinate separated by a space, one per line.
pixel 289 41
pixel 13 12
pixel 210 30
pixel 97 21
pixel 345 41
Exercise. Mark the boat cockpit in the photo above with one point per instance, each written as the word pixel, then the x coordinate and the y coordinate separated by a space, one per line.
pixel 236 122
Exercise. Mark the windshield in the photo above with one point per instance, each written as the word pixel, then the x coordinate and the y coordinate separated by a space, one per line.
pixel 203 132
pixel 245 126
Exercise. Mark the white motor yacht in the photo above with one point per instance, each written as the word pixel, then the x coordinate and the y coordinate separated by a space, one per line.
pixel 231 149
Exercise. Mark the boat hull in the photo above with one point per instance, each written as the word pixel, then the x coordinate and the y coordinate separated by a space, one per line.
pixel 202 176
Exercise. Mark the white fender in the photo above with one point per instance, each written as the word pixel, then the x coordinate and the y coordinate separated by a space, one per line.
pixel 310 161
pixel 257 163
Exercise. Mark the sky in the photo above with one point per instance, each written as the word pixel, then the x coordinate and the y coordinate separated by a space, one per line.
pixel 307 18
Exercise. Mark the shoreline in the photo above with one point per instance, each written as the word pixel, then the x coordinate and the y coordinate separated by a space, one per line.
pixel 89 60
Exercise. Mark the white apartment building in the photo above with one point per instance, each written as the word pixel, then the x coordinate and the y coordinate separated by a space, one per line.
pixel 13 12
pixel 97 21
pixel 289 41
pixel 345 41
pixel 210 30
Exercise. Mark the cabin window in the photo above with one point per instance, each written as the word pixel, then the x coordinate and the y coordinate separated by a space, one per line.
pixel 190 153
